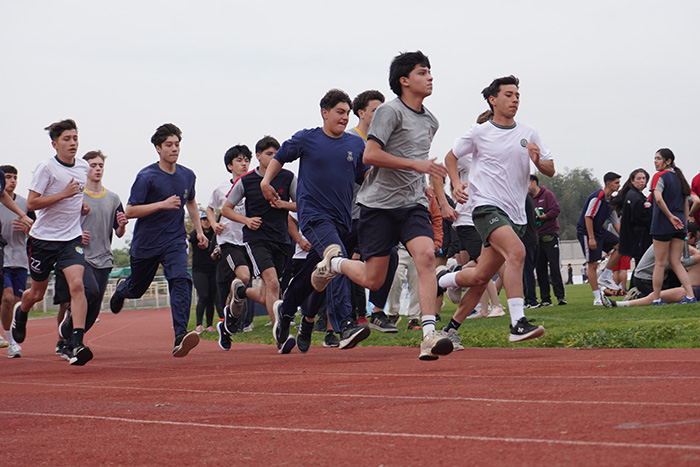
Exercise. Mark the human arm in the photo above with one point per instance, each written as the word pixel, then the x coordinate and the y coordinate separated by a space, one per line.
pixel 696 203
pixel 591 236
pixel 120 222
pixel 253 223
pixel 376 156
pixel 435 220
pixel 298 238
pixel 36 201
pixel 10 204
pixel 545 166
pixel 136 211
pixel 268 191
pixel 211 217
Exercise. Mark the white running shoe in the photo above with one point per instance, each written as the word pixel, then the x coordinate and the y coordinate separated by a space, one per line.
pixel 3 342
pixel 323 274
pixel 495 311
pixel 435 344
pixel 608 283
pixel 14 351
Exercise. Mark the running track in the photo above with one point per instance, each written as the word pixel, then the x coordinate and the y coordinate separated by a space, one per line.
pixel 134 404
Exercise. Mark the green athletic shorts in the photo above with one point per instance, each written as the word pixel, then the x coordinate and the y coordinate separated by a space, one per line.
pixel 489 218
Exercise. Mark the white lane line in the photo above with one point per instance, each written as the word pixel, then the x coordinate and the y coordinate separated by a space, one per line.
pixel 687 447
pixel 363 396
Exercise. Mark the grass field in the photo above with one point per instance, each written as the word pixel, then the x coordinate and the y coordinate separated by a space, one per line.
pixel 576 325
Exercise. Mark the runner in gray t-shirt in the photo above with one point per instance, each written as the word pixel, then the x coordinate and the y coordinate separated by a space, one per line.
pixel 394 205
pixel 106 215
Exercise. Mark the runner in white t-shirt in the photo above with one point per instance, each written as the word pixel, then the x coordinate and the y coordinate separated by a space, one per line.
pixel 55 240
pixel 502 150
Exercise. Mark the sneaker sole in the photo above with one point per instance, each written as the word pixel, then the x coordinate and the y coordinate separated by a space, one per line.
pixel 442 347
pixel 329 346
pixel 227 315
pixel 278 314
pixel 377 327
pixel 301 350
pixel 83 356
pixel 19 338
pixel 64 323
pixel 188 343
pixel 15 355
pixel 359 335
pixel 325 264
pixel 221 335
pixel 288 346
pixel 535 333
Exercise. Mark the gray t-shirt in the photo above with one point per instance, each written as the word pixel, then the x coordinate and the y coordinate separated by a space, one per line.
pixel 100 222
pixel 402 132
pixel 16 248
pixel 356 188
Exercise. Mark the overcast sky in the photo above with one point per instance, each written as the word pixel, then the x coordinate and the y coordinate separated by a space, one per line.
pixel 606 83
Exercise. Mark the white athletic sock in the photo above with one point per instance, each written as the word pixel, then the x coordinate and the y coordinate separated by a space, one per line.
pixel 622 303
pixel 448 280
pixel 606 274
pixel 8 337
pixel 515 308
pixel 335 264
pixel 428 324
pixel 596 295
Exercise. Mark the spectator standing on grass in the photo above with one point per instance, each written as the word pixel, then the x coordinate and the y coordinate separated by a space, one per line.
pixel 670 192
pixel 204 277
pixel 548 252
pixel 570 274
pixel 596 239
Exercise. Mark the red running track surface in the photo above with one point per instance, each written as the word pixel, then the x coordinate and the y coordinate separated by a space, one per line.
pixel 135 404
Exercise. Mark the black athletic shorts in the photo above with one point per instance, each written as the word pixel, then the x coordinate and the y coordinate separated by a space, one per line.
pixel 44 255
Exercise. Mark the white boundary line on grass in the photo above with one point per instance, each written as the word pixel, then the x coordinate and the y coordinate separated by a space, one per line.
pixel 278 429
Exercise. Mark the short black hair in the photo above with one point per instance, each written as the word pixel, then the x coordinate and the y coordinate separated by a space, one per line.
pixel 362 100
pixel 495 87
pixel 610 177
pixel 692 228
pixel 402 65
pixel 534 178
pixel 333 98
pixel 267 142
pixel 9 169
pixel 57 128
pixel 163 132
pixel 234 152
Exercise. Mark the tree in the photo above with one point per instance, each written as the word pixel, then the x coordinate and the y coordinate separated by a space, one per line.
pixel 572 188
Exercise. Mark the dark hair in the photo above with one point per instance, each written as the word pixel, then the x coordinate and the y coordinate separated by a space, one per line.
pixel 362 100
pixel 484 116
pixel 268 142
pixel 163 132
pixel 533 178
pixel 692 228
pixel 667 154
pixel 9 169
pixel 402 65
pixel 333 98
pixel 610 177
pixel 617 200
pixel 93 154
pixel 234 152
pixel 57 128
pixel 495 87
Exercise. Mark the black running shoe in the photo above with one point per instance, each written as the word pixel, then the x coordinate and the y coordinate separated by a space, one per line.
pixel 19 324
pixel 224 337
pixel 230 321
pixel 352 334
pixel 304 335
pixel 523 331
pixel 331 340
pixel 65 330
pixel 116 302
pixel 59 347
pixel 441 271
pixel 379 322
pixel 80 355
pixel 184 342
